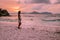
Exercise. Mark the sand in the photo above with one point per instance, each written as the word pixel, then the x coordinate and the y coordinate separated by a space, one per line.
pixel 9 31
pixel 33 28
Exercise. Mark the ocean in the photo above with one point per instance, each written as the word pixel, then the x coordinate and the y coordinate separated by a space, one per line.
pixel 32 20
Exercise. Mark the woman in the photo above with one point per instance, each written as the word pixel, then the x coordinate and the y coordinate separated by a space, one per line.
pixel 19 19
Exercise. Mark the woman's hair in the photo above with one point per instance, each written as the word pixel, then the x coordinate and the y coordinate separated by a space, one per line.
pixel 19 12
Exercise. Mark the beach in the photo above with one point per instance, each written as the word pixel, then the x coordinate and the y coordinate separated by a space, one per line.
pixel 32 28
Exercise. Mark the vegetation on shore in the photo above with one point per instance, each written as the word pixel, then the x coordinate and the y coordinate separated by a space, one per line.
pixel 4 12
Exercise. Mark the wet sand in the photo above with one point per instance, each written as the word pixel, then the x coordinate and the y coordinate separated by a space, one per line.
pixel 9 31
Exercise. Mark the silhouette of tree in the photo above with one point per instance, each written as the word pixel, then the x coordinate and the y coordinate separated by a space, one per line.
pixel 0 12
pixel 0 9
pixel 4 12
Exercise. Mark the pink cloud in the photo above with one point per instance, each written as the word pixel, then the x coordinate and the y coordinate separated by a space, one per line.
pixel 12 5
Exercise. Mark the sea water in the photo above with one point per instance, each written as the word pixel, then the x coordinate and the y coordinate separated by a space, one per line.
pixel 30 19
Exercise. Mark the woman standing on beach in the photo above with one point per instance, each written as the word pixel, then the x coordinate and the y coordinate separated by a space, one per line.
pixel 19 19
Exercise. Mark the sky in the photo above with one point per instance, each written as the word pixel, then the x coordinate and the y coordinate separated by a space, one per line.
pixel 31 5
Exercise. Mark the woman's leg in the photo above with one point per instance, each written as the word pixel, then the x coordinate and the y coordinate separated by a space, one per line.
pixel 19 25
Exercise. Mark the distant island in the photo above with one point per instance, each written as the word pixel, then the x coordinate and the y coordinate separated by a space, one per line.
pixel 34 12
pixel 4 12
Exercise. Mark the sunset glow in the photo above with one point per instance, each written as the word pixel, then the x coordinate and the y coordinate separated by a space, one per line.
pixel 16 9
pixel 29 6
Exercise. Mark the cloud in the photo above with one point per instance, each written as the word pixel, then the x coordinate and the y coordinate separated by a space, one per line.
pixel 11 5
pixel 41 1
pixel 24 1
pixel 34 1
pixel 58 2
